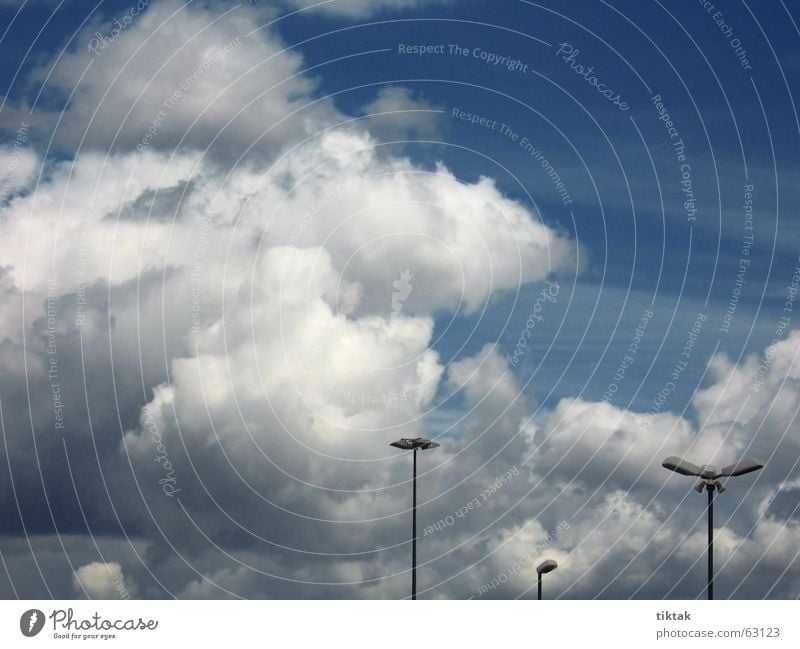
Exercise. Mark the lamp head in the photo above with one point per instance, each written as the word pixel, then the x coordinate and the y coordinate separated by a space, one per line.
pixel 679 465
pixel 548 565
pixel 748 465
pixel 413 443
pixel 708 472
pixel 710 485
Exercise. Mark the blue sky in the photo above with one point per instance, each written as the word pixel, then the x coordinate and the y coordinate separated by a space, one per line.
pixel 619 167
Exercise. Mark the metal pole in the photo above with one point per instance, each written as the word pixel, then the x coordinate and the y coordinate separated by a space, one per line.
pixel 414 535
pixel 710 489
pixel 540 585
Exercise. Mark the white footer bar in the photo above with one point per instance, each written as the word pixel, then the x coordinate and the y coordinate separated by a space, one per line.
pixel 390 624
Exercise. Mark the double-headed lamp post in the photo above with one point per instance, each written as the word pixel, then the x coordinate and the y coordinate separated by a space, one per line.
pixel 709 480
pixel 414 444
pixel 548 565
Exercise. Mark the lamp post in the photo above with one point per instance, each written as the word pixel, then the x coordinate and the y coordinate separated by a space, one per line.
pixel 414 444
pixel 709 481
pixel 548 565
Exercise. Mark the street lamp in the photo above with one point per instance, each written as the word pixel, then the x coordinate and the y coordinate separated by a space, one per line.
pixel 709 481
pixel 414 444
pixel 548 565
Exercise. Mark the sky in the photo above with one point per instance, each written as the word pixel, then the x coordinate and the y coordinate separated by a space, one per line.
pixel 246 245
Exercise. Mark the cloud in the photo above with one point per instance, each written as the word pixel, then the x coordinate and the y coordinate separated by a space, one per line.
pixel 101 580
pixel 398 114
pixel 596 499
pixel 461 241
pixel 219 585
pixel 597 441
pixel 376 216
pixel 18 165
pixel 178 76
pixel 281 368
pixel 751 406
pixel 284 386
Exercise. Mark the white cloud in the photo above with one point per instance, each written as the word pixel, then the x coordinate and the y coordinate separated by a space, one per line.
pixel 461 241
pixel 751 407
pixel 633 528
pixel 73 217
pixel 614 531
pixel 18 165
pixel 180 74
pixel 375 216
pixel 297 357
pixel 275 383
pixel 399 114
pixel 597 441
pixel 102 581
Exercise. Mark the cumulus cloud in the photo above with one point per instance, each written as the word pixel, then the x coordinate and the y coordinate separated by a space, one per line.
pixel 398 114
pixel 18 165
pixel 273 385
pixel 752 404
pixel 587 441
pixel 461 241
pixel 72 220
pixel 596 499
pixel 101 580
pixel 242 329
pixel 376 217
pixel 284 357
pixel 179 75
